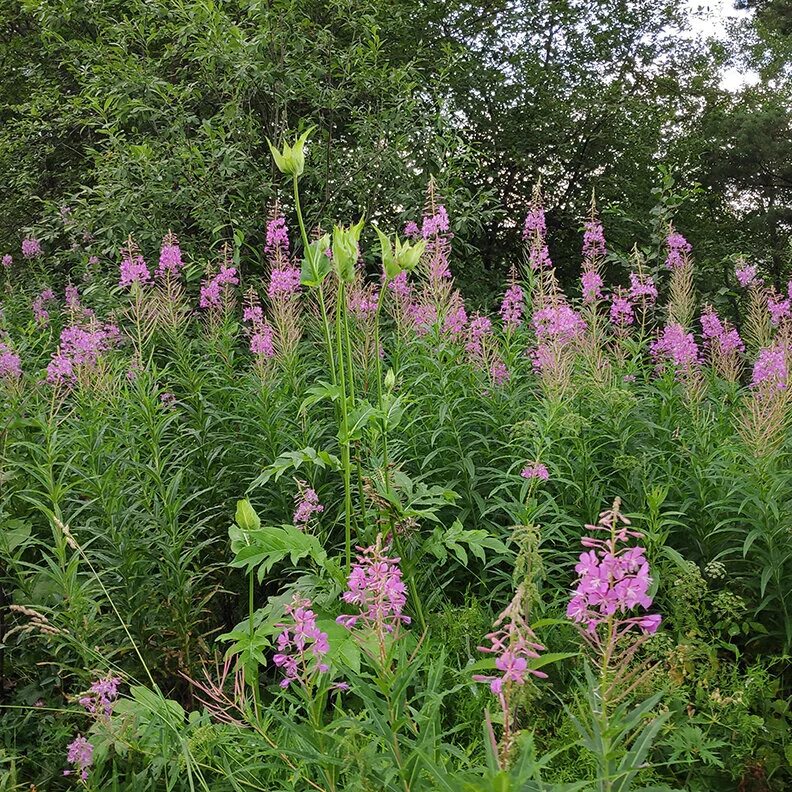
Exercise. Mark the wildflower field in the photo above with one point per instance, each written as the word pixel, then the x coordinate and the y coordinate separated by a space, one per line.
pixel 323 526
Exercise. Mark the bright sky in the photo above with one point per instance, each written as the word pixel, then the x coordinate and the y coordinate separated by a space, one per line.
pixel 711 18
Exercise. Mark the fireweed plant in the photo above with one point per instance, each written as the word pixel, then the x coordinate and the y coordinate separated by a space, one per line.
pixel 400 602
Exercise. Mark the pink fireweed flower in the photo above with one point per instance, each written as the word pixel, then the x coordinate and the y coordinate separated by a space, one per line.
pixel 480 327
pixel 512 307
pixel 31 247
pixel 170 259
pixel 514 646
pixel 711 325
pixel 93 260
pixel 362 305
pixel 10 363
pixel 253 314
pixel 499 373
pixel 375 585
pixel 612 581
pixel 770 368
pixel 307 502
pixel 593 240
pixel 101 696
pixel 72 298
pixel 534 224
pixel 284 281
pixel 779 309
pixel 8 260
pixel 84 345
pixel 642 287
pixel 411 230
pixel 262 342
pixel 678 248
pixel 677 347
pixel 60 370
pixel 400 286
pixel 558 323
pixel 746 274
pixel 621 311
pixel 435 224
pixel 40 313
pixel 277 237
pixel 536 470
pixel 539 257
pixel 455 321
pixel 212 289
pixel 133 269
pixel 301 644
pixel 591 286
pixel 80 755
pixel 730 341
pixel 423 316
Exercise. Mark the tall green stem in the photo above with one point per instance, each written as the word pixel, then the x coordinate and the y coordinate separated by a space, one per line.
pixel 320 289
pixel 345 461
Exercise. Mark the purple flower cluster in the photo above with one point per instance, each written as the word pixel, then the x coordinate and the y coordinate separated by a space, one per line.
pixel 435 224
pixel 512 307
pixel 621 310
pixel 591 286
pixel 361 304
pixel 39 311
pixel 455 321
pixel 515 645
pixel 277 237
pixel 400 285
pixel 612 580
pixel 8 260
pixel 411 230
pixel 31 247
pixel 535 470
pixel 284 281
pixel 718 334
pixel 593 240
pixel 170 259
pixel 212 289
pixel 253 314
pixel 535 224
pixel 261 341
pixel 423 316
pixel 558 323
pixel 678 248
pixel 80 755
pixel 80 346
pixel 101 697
pixel 770 369
pixel 301 644
pixel 375 585
pixel 746 274
pixel 779 309
pixel 307 504
pixel 480 327
pixel 133 269
pixel 10 363
pixel 677 347
pixel 499 372
pixel 642 287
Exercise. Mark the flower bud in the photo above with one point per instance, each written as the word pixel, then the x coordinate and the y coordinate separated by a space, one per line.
pixel 345 250
pixel 404 256
pixel 291 160
pixel 246 517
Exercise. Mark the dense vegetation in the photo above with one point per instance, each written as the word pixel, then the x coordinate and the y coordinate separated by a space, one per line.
pixel 395 472
pixel 143 116
pixel 365 462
